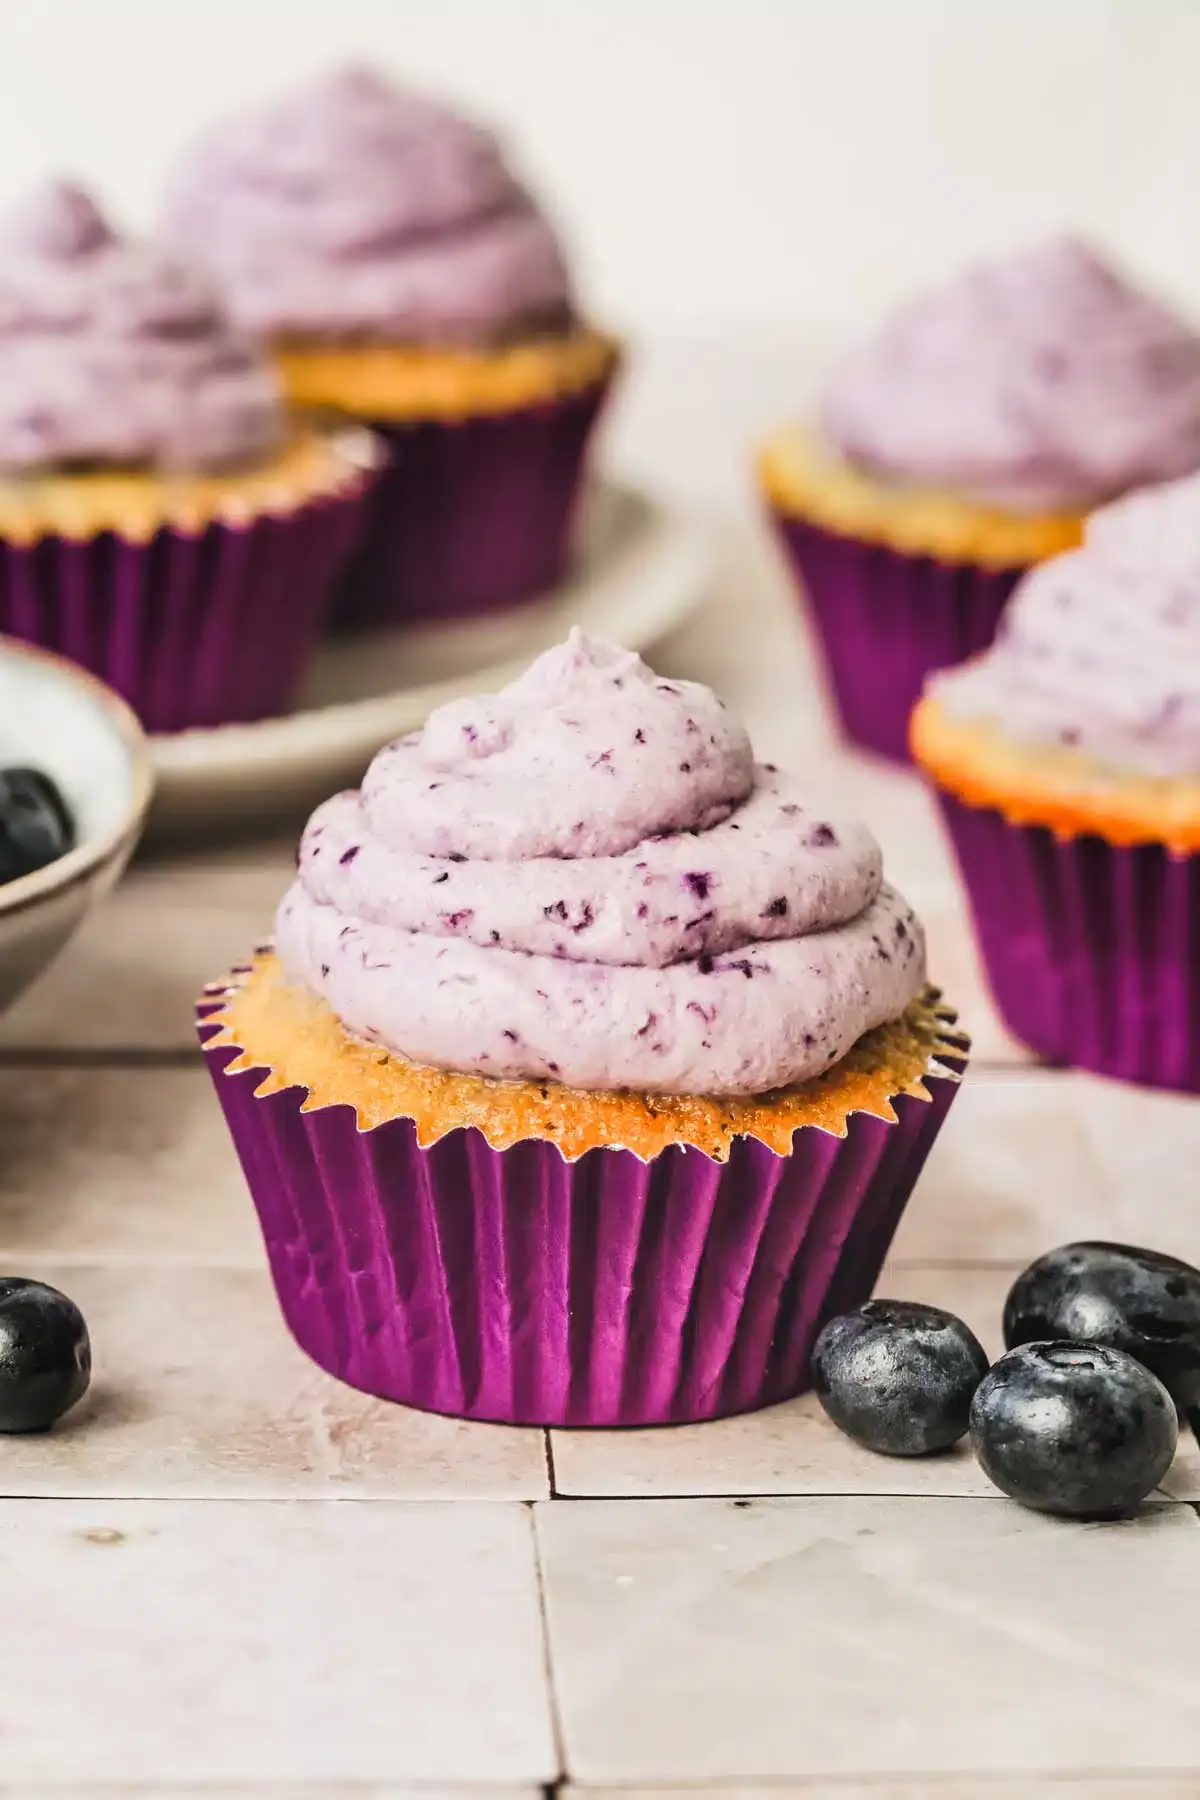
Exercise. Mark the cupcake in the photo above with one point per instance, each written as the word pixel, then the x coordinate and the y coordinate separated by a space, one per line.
pixel 1067 761
pixel 159 524
pixel 964 444
pixel 384 248
pixel 593 1066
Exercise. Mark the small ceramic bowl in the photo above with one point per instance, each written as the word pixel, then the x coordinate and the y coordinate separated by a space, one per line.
pixel 55 717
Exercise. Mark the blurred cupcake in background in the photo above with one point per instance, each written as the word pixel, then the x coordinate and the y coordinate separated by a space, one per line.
pixel 403 275
pixel 966 442
pixel 595 1065
pixel 1067 760
pixel 158 522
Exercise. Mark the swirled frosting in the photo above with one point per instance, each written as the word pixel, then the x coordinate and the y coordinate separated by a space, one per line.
pixel 587 878
pixel 357 209
pixel 114 352
pixel 1042 382
pixel 1100 648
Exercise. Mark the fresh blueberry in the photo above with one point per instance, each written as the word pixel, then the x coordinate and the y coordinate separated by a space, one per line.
pixel 45 1355
pixel 898 1377
pixel 36 827
pixel 1134 1300
pixel 1073 1428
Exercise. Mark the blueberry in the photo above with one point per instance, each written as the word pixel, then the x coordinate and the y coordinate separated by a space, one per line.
pixel 45 1355
pixel 898 1377
pixel 35 826
pixel 1133 1300
pixel 1073 1428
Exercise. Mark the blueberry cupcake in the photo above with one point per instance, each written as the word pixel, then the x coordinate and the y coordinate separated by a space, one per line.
pixel 593 1066
pixel 404 276
pixel 159 522
pixel 1067 761
pixel 965 443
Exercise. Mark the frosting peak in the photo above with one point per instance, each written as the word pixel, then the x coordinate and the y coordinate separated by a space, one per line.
pixel 586 878
pixel 58 221
pixel 1040 382
pixel 112 352
pixel 355 208
pixel 585 754
pixel 1099 650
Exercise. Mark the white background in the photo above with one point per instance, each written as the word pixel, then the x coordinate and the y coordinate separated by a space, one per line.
pixel 715 162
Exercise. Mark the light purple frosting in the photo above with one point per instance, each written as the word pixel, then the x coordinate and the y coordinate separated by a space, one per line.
pixel 1100 647
pixel 357 209
pixel 114 352
pixel 1045 381
pixel 586 878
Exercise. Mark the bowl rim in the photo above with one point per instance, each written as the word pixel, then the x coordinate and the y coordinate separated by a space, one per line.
pixel 82 862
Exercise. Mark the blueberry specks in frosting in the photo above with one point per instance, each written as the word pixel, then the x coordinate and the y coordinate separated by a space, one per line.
pixel 1099 650
pixel 646 928
pixel 1042 381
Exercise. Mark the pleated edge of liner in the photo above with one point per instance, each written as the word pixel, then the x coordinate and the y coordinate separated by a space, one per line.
pixel 947 1062
pixel 364 454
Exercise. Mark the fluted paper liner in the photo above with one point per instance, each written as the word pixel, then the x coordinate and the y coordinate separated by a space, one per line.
pixel 199 611
pixel 1092 948
pixel 524 1285
pixel 886 620
pixel 472 515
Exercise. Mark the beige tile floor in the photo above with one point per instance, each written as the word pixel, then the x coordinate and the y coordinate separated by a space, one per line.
pixel 229 1576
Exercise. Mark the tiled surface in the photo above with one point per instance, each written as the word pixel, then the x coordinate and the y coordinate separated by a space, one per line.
pixel 111 1163
pixel 130 978
pixel 703 1639
pixel 1033 1158
pixel 272 1790
pixel 1149 1148
pixel 1086 1786
pixel 227 1574
pixel 172 1641
pixel 275 1790
pixel 1183 1481
pixel 199 1391
pixel 789 1449
pixel 1014 1173
pixel 793 1449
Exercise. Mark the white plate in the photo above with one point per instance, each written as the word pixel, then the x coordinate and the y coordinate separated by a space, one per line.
pixel 641 569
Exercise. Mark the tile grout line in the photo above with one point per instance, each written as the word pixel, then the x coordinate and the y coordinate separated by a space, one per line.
pixel 548 1437
pixel 556 1720
pixel 743 1499
pixel 1068 1782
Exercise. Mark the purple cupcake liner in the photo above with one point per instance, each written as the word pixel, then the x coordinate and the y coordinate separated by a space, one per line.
pixel 886 621
pixel 519 1287
pixel 193 629
pixel 1092 949
pixel 470 516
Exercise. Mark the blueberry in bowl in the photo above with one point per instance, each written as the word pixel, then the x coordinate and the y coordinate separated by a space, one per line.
pixel 898 1377
pixel 75 784
pixel 1078 1429
pixel 36 824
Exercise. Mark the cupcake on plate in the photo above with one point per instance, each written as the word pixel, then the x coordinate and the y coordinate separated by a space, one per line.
pixel 383 246
pixel 159 523
pixel 965 443
pixel 1067 760
pixel 594 1064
